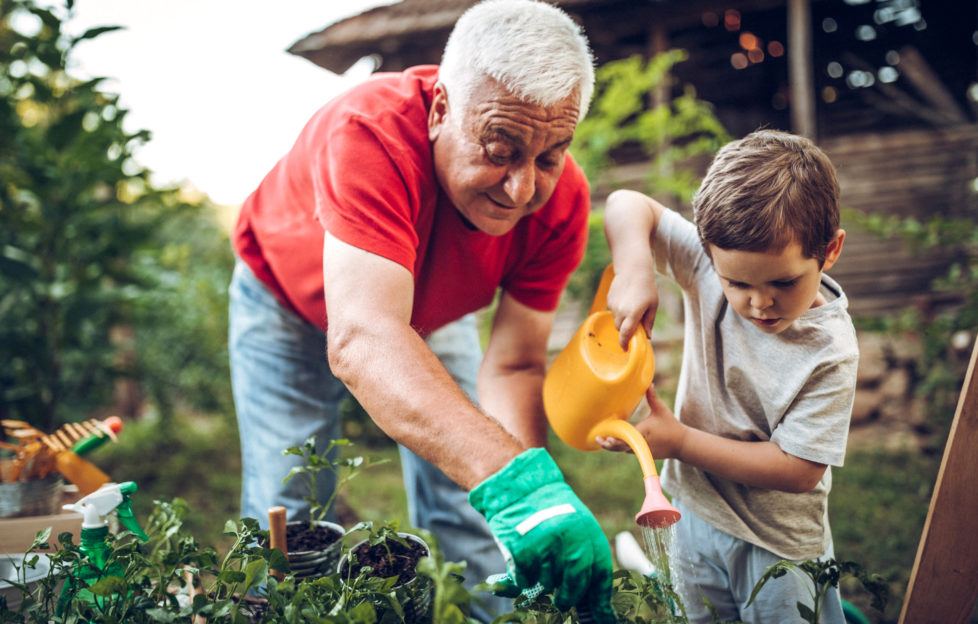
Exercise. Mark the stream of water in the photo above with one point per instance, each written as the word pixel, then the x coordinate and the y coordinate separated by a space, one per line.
pixel 659 543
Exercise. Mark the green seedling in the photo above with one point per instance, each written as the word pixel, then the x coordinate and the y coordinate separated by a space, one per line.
pixel 824 575
pixel 343 469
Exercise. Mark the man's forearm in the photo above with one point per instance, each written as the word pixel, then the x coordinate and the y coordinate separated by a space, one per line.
pixel 515 399
pixel 409 394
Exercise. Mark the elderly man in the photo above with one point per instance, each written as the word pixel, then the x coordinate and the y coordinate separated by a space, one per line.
pixel 405 205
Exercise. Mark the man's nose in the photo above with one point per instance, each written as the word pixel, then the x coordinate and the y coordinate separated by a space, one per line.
pixel 520 184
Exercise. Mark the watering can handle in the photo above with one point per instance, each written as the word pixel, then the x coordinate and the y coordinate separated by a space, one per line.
pixel 600 303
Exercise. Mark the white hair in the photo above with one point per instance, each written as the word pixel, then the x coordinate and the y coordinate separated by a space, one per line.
pixel 533 49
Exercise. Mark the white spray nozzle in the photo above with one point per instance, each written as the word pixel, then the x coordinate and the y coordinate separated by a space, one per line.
pixel 98 505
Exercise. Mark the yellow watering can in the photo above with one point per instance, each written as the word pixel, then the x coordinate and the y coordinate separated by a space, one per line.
pixel 592 389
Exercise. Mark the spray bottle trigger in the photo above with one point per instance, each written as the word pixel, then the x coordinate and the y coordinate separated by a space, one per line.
pixel 128 520
pixel 125 514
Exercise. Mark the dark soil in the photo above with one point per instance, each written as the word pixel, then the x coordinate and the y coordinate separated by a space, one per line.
pixel 300 537
pixel 400 563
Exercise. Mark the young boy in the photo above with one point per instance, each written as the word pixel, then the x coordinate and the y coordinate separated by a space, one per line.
pixel 768 374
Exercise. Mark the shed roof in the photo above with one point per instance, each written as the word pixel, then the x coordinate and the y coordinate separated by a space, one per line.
pixel 390 30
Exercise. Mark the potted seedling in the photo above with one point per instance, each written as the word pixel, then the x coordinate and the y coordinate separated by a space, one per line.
pixel 313 546
pixel 384 565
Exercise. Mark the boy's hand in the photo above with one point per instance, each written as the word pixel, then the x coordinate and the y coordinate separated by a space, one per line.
pixel 633 300
pixel 663 433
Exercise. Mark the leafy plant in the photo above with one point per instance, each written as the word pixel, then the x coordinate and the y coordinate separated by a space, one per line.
pixel 172 578
pixel 823 576
pixel 342 468
pixel 940 372
pixel 627 122
pixel 83 251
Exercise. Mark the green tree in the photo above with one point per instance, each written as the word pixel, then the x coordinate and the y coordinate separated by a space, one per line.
pixel 674 133
pixel 83 232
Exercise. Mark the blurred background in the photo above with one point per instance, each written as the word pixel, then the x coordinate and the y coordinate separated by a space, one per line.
pixel 125 152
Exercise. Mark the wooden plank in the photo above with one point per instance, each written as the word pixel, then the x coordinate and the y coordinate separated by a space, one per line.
pixel 800 72
pixel 944 582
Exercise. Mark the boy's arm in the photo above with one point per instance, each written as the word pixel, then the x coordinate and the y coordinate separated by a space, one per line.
pixel 760 464
pixel 630 222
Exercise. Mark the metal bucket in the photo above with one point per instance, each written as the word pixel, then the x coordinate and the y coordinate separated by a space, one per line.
pixel 316 563
pixel 38 497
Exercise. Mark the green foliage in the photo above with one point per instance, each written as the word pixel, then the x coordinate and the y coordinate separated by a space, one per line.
pixel 669 134
pixel 173 578
pixel 940 371
pixel 823 576
pixel 343 469
pixel 86 248
pixel 674 137
pixel 70 218
pixel 865 528
pixel 181 324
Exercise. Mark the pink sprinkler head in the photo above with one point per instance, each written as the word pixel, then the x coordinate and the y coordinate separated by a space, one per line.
pixel 657 512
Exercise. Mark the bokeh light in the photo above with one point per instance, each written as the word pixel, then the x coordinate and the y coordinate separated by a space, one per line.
pixel 748 41
pixel 887 74
pixel 860 79
pixel 731 19
pixel 710 19
pixel 865 33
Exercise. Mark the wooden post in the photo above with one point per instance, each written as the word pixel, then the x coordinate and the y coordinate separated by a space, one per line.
pixel 800 76
pixel 276 534
pixel 944 582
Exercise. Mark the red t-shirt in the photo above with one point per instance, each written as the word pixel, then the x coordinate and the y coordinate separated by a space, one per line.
pixel 362 169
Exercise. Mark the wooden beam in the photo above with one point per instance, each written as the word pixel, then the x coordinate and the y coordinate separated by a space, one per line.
pixel 943 584
pixel 800 75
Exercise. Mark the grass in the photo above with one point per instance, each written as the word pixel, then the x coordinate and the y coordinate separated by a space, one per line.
pixel 877 509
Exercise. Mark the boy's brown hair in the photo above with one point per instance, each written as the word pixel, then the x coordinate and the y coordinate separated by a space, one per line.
pixel 766 190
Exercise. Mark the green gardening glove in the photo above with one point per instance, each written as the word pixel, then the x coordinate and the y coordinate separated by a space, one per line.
pixel 547 534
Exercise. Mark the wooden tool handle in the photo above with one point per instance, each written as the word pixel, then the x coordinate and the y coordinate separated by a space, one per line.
pixel 276 533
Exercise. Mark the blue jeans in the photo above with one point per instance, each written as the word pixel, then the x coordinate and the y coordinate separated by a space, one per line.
pixel 708 563
pixel 284 392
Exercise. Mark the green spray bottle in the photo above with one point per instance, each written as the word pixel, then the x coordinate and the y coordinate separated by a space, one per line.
pixel 96 509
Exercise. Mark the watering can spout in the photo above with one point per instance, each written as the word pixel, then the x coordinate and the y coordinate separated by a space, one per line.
pixel 656 512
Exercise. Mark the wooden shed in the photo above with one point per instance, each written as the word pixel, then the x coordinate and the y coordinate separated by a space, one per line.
pixel 888 88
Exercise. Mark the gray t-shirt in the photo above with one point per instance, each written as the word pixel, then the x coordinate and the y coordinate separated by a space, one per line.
pixel 795 388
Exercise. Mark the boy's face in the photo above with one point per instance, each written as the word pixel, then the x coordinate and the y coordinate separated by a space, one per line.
pixel 772 288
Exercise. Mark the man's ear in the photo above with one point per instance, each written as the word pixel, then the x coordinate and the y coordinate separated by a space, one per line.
pixel 438 113
pixel 833 249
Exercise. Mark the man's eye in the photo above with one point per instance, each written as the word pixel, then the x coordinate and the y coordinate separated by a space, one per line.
pixel 547 162
pixel 499 154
